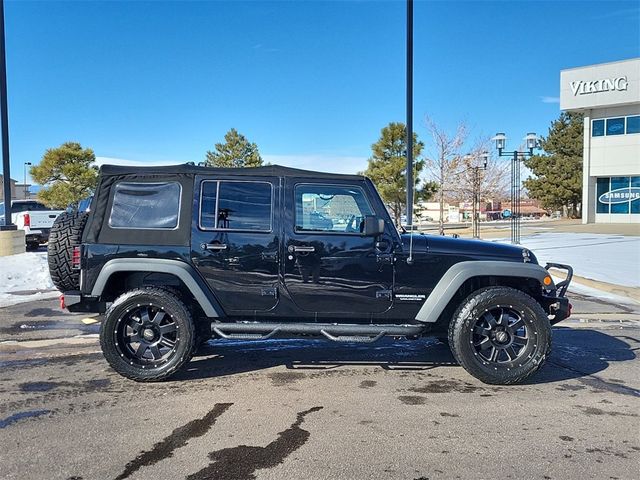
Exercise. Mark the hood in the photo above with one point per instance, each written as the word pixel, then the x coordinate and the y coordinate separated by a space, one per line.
pixel 444 245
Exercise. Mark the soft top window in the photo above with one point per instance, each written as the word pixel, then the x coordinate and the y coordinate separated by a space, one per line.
pixel 145 205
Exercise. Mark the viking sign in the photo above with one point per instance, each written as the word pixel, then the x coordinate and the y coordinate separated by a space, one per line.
pixel 620 195
pixel 580 87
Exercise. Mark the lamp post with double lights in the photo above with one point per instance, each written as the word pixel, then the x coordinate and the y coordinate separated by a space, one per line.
pixel 532 142
pixel 477 180
pixel 26 191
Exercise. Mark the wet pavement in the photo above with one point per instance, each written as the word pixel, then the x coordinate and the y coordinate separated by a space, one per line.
pixel 311 409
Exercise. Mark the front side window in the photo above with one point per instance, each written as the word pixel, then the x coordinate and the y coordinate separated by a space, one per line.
pixel 597 128
pixel 236 205
pixel 633 124
pixel 330 208
pixel 615 126
pixel 146 205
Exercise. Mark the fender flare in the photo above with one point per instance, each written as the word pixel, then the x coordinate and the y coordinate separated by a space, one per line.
pixel 459 273
pixel 185 272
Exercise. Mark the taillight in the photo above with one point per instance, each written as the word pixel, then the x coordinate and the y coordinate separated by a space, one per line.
pixel 27 220
pixel 75 258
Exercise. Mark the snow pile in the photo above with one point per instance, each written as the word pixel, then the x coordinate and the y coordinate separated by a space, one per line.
pixel 25 277
pixel 606 258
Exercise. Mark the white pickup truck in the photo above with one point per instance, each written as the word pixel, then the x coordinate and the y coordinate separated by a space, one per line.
pixel 34 218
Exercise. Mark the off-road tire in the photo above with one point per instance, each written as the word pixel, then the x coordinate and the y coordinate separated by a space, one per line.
pixel 66 233
pixel 202 325
pixel 112 343
pixel 509 372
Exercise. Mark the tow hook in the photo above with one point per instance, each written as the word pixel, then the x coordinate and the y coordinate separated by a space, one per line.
pixel 62 304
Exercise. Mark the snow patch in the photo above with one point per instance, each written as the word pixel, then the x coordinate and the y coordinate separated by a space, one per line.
pixel 607 258
pixel 25 277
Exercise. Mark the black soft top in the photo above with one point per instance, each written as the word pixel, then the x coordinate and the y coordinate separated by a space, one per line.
pixel 99 231
pixel 189 169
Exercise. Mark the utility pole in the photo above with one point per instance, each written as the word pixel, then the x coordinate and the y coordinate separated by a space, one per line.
pixel 26 190
pixel 410 180
pixel 4 119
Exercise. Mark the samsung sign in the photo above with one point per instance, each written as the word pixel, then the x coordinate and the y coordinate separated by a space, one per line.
pixel 617 84
pixel 620 195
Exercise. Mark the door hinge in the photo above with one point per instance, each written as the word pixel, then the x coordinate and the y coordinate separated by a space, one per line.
pixel 384 258
pixel 269 292
pixel 269 256
pixel 384 294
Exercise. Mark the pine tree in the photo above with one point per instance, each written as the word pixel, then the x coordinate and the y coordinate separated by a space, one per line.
pixel 557 180
pixel 67 174
pixel 388 167
pixel 235 152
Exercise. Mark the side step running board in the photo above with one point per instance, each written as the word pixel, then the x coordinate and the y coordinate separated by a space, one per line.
pixel 353 338
pixel 331 331
pixel 243 336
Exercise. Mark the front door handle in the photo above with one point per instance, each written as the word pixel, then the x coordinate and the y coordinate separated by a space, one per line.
pixel 301 248
pixel 213 246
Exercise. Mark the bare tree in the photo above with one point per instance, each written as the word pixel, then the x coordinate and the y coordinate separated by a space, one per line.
pixel 443 159
pixel 494 181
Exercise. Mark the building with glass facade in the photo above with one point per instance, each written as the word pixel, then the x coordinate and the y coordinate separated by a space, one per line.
pixel 608 95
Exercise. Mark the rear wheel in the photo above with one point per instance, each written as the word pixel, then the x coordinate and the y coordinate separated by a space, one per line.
pixel 500 335
pixel 148 334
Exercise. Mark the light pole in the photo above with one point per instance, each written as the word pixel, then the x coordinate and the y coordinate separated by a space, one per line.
pixel 475 209
pixel 25 178
pixel 409 93
pixel 532 142
pixel 4 120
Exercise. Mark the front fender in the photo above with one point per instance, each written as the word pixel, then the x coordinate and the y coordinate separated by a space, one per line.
pixel 459 273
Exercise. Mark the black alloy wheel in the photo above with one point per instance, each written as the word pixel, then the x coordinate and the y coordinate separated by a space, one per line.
pixel 148 334
pixel 500 335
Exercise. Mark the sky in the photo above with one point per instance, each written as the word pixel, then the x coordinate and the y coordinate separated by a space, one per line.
pixel 312 83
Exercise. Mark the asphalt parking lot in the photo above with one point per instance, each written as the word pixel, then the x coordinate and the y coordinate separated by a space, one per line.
pixel 304 409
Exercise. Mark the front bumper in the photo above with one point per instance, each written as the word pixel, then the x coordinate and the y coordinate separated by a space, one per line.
pixel 555 300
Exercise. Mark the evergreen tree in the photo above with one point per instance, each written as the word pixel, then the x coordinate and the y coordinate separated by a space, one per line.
pixel 388 167
pixel 557 180
pixel 67 174
pixel 236 151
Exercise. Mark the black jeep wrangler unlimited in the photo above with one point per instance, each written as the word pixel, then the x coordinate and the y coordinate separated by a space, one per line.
pixel 176 255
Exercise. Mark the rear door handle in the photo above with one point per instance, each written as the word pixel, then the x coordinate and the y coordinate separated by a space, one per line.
pixel 213 246
pixel 301 248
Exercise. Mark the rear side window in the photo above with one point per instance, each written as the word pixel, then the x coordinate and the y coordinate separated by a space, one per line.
pixel 236 205
pixel 146 205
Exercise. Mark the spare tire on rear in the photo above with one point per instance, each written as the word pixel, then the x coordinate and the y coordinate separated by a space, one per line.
pixel 66 233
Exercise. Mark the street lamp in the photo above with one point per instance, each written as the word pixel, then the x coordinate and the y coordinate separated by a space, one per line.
pixel 532 142
pixel 501 141
pixel 475 209
pixel 25 178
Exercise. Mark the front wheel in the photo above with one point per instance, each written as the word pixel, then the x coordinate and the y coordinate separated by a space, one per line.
pixel 500 335
pixel 147 334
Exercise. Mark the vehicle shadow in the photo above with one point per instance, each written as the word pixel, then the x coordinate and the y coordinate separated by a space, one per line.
pixel 228 357
pixel 582 352
pixel 576 353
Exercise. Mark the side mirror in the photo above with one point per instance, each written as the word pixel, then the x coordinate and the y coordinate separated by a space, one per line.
pixel 373 226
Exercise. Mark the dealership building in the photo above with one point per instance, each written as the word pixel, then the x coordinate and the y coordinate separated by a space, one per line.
pixel 608 95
